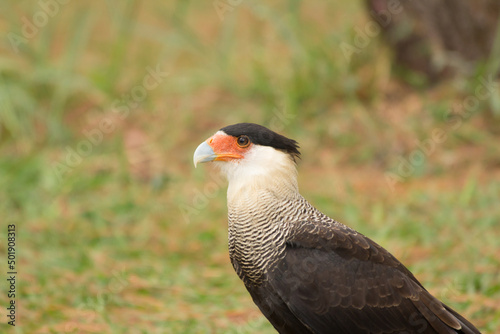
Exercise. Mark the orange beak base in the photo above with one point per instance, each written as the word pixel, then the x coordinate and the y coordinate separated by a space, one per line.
pixel 219 147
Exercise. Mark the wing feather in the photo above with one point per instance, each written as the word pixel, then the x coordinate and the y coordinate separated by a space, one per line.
pixel 333 276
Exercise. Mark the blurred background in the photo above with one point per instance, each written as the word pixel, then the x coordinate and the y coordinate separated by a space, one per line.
pixel 396 108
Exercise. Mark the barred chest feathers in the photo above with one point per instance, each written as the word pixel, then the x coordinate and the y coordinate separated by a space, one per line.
pixel 260 222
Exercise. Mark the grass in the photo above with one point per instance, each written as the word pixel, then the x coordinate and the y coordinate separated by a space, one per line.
pixel 126 236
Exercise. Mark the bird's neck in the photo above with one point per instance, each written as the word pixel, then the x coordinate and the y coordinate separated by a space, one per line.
pixel 256 231
pixel 278 182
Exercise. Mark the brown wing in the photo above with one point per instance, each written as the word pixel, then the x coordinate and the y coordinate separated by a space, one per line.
pixel 335 280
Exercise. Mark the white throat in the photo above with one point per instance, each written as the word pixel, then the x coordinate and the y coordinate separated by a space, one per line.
pixel 263 169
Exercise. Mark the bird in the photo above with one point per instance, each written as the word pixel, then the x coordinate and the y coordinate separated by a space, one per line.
pixel 306 272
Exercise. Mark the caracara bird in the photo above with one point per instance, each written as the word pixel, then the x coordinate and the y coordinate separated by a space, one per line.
pixel 306 272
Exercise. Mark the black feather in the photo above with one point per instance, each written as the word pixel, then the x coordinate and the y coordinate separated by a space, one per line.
pixel 261 135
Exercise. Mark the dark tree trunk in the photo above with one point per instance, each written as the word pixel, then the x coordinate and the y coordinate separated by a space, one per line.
pixel 438 38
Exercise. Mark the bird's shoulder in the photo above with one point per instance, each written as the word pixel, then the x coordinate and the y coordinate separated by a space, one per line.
pixel 335 257
pixel 324 233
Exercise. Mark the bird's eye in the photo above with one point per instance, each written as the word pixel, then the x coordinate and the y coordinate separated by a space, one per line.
pixel 243 141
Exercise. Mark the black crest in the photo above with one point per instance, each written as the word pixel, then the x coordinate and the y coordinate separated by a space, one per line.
pixel 261 135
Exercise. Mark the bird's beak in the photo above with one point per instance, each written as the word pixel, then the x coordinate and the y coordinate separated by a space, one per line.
pixel 203 153
pixel 219 147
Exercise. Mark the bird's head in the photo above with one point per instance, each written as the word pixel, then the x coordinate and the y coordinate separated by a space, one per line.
pixel 246 152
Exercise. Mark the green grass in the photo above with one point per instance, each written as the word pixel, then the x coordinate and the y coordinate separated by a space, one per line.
pixel 131 238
